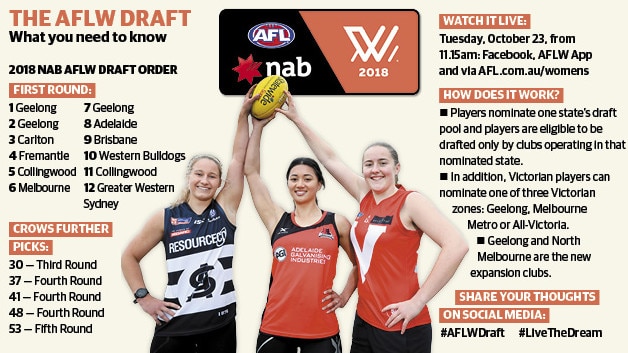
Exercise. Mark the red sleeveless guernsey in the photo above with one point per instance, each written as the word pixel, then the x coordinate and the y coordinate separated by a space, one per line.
pixel 304 265
pixel 387 259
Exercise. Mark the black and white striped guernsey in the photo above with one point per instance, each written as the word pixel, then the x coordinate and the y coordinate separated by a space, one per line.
pixel 199 257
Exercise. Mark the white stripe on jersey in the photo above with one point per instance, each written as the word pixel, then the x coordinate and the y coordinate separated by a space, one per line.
pixel 197 281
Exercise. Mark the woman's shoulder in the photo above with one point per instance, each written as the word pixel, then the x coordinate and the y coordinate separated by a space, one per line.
pixel 341 221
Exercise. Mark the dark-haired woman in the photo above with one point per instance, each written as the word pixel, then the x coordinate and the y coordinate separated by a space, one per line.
pixel 301 304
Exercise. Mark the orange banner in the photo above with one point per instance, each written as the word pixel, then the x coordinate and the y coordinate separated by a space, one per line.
pixel 30 247
pixel 52 90
pixel 484 21
pixel 501 95
pixel 494 315
pixel 61 229
pixel 528 297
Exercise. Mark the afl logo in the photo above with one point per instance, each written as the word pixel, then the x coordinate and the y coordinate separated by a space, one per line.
pixel 271 35
pixel 280 254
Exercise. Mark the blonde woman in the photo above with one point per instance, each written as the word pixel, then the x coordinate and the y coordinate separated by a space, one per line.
pixel 198 230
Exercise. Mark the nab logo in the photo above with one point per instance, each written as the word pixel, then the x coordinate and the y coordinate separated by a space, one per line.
pixel 371 44
pixel 271 35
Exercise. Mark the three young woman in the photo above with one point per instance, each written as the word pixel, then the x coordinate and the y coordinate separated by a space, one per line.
pixel 198 310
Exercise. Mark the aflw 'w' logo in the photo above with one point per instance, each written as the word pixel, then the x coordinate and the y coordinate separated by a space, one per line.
pixel 371 44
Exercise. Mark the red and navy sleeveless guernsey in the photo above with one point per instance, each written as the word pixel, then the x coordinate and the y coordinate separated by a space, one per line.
pixel 199 255
pixel 387 259
pixel 304 265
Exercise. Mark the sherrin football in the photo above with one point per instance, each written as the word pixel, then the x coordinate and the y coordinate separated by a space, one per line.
pixel 272 95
